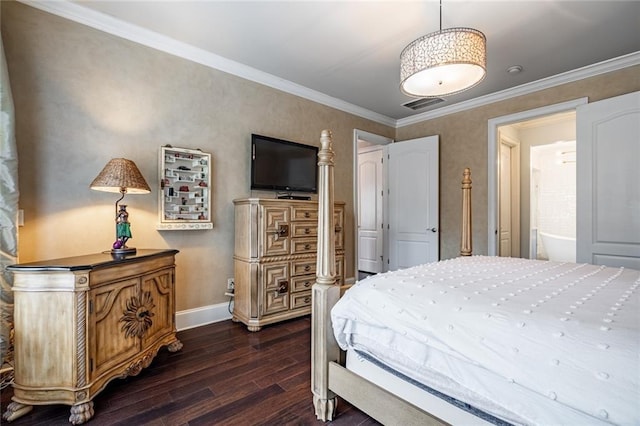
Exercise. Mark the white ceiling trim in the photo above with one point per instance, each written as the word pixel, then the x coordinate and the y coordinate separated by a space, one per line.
pixel 166 44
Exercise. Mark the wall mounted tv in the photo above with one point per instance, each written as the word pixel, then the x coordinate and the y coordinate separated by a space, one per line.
pixel 281 165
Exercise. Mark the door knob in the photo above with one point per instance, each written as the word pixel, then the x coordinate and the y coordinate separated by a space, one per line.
pixel 434 229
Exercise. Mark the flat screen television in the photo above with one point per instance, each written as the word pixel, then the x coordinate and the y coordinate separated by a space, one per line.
pixel 281 165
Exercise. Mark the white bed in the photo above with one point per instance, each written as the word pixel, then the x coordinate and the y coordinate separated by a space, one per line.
pixel 495 332
pixel 527 342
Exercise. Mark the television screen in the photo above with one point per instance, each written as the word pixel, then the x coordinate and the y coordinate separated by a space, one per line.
pixel 282 165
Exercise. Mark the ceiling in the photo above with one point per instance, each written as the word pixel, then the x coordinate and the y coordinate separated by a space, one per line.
pixel 349 50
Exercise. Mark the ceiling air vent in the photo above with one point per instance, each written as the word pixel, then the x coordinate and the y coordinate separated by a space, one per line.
pixel 422 103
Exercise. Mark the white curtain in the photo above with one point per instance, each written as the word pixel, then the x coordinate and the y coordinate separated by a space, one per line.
pixel 8 215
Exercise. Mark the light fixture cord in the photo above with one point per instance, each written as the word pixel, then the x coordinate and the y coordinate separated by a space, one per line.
pixel 440 15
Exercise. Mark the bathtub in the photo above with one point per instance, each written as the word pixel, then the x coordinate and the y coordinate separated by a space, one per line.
pixel 559 248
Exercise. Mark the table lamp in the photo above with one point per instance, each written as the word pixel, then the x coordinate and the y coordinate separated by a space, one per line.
pixel 121 175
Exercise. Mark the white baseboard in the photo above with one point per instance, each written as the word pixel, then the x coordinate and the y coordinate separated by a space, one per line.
pixel 202 316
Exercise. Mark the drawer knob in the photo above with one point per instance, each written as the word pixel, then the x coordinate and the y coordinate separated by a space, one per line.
pixel 307 214
pixel 307 284
pixel 307 246
pixel 307 230
pixel 307 299
pixel 282 231
pixel 308 267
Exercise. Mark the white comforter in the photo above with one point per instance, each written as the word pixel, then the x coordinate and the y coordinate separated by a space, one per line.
pixel 548 342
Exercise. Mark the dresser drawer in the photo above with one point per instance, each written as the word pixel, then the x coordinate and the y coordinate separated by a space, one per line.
pixel 303 267
pixel 340 265
pixel 338 217
pixel 276 287
pixel 304 229
pixel 304 245
pixel 340 270
pixel 300 300
pixel 273 216
pixel 302 283
pixel 275 244
pixel 275 240
pixel 305 213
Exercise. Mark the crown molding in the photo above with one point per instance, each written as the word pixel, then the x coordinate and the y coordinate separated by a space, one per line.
pixel 614 64
pixel 114 26
pixel 111 25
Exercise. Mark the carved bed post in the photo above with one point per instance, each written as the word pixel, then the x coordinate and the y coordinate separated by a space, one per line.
pixel 465 241
pixel 325 292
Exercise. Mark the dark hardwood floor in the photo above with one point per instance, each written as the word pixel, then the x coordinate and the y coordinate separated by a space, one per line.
pixel 224 375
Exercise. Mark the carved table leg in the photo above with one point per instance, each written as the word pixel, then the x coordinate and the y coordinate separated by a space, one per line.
pixel 174 346
pixel 81 413
pixel 16 410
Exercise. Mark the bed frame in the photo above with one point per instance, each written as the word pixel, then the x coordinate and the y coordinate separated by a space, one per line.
pixel 328 376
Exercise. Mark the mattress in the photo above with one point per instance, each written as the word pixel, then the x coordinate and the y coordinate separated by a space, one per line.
pixel 438 404
pixel 531 342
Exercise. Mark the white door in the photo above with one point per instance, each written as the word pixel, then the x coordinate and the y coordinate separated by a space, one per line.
pixel 370 191
pixel 505 200
pixel 413 202
pixel 608 182
pixel 509 196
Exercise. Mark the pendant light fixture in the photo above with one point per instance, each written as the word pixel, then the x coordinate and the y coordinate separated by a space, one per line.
pixel 444 62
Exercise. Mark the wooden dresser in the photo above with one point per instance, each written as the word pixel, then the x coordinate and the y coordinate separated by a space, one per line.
pixel 275 258
pixel 83 321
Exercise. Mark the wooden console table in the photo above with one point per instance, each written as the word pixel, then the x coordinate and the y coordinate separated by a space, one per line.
pixel 82 321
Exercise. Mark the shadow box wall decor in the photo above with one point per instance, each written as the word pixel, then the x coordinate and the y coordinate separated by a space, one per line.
pixel 185 189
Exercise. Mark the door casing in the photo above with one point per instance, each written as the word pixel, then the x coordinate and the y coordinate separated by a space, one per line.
pixel 493 145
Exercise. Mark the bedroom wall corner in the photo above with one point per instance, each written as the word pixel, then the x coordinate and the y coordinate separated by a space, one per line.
pixel 83 97
pixel 463 143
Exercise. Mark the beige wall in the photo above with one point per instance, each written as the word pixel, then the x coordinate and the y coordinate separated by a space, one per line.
pixel 83 97
pixel 463 143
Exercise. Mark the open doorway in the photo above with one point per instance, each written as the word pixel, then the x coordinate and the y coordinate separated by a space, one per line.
pixel 553 201
pixel 545 215
pixel 541 179
pixel 369 181
pixel 396 199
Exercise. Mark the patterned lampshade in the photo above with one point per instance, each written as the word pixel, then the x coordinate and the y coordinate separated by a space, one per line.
pixel 443 63
pixel 121 175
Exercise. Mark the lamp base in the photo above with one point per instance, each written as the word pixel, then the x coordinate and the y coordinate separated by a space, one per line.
pixel 121 251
